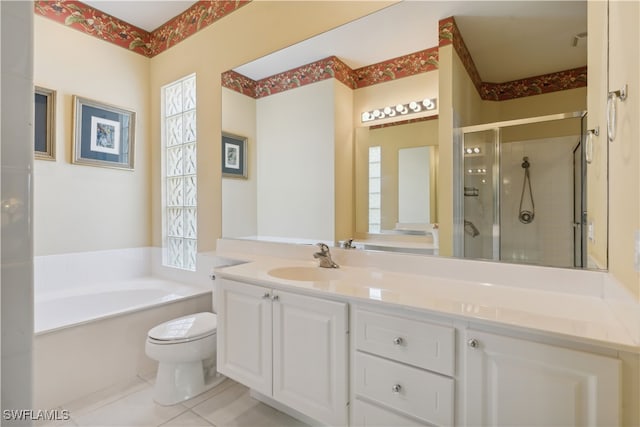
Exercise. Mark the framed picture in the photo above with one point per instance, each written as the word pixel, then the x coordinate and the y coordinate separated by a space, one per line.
pixel 103 134
pixel 44 124
pixel 234 156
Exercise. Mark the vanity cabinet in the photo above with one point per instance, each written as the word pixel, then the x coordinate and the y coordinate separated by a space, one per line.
pixel 287 346
pixel 403 371
pixel 510 382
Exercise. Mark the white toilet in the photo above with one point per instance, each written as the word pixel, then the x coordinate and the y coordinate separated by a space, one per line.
pixel 185 349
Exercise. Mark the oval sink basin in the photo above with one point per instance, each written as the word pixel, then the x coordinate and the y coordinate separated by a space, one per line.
pixel 306 274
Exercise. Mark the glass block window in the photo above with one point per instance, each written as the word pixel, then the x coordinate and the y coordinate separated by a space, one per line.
pixel 180 197
pixel 374 189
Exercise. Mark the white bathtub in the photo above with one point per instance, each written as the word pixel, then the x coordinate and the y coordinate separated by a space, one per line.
pixel 63 308
pixel 92 314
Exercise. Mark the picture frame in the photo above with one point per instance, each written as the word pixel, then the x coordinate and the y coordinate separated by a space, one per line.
pixel 44 143
pixel 103 134
pixel 234 156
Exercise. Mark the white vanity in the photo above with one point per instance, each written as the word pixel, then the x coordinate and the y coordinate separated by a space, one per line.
pixel 393 340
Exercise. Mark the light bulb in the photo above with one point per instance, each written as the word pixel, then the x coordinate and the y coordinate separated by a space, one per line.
pixel 414 106
pixel 476 150
pixel 399 108
pixel 366 116
pixel 376 113
pixel 469 151
pixel 428 104
pixel 387 110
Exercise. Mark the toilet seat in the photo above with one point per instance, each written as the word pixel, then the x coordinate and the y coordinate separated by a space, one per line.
pixel 188 328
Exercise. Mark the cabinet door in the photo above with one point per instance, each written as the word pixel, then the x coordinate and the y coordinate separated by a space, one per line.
pixel 310 356
pixel 512 382
pixel 244 334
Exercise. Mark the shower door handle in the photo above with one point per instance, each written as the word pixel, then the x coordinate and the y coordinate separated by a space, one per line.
pixel 577 225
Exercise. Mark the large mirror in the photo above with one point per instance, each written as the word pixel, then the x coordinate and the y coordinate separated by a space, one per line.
pixel 317 172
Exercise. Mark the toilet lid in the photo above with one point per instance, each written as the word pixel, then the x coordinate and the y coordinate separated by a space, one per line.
pixel 185 328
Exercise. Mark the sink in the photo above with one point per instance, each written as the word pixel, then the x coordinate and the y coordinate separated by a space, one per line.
pixel 306 274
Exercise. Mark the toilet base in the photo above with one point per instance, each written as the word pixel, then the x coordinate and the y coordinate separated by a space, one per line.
pixel 177 382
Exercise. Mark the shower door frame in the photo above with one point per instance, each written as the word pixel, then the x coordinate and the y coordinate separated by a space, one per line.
pixel 458 170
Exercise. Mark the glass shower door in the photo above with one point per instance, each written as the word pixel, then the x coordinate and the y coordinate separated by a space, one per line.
pixel 480 230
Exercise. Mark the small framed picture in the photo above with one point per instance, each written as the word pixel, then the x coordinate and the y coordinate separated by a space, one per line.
pixel 44 124
pixel 234 156
pixel 103 134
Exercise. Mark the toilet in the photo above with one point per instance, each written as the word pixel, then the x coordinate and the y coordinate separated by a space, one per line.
pixel 185 349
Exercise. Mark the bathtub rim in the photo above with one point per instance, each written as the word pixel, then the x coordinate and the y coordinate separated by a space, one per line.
pixel 188 291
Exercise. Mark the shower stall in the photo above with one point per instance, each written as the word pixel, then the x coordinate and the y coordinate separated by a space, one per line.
pixel 520 191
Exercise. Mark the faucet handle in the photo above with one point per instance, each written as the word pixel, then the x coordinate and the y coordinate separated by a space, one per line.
pixel 348 244
pixel 323 247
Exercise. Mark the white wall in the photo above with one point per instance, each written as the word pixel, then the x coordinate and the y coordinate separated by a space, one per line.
pixel 239 197
pixel 85 208
pixel 295 149
pixel 16 154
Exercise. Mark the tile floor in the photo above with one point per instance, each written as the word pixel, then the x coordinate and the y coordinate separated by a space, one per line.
pixel 131 405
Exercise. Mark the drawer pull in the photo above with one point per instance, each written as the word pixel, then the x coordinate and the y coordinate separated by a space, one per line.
pixel 398 341
pixel 266 295
pixel 473 343
pixel 397 388
pixel 275 298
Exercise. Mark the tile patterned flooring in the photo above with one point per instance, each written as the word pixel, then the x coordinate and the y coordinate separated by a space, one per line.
pixel 132 405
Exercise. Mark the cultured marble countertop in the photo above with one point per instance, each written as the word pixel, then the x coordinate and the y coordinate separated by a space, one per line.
pixel 580 317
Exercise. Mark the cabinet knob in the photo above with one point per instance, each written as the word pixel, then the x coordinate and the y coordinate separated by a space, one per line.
pixel 397 388
pixel 398 341
pixel 473 343
pixel 275 298
pixel 266 295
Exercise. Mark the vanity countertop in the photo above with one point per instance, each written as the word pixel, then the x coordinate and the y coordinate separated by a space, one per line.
pixel 578 316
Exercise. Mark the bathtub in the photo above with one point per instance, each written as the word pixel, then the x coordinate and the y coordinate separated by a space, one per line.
pixel 90 334
pixel 64 308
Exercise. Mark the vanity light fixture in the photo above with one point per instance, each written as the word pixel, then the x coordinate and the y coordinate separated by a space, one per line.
pixel 400 110
pixel 477 171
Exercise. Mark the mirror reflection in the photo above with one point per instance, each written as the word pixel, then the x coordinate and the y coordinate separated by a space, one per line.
pixel 317 172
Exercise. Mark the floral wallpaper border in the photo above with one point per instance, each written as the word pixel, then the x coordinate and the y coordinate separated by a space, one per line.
pixel 396 68
pixel 554 82
pixel 332 67
pixel 91 21
pixel 96 23
pixel 448 33
pixel 547 83
pixel 323 69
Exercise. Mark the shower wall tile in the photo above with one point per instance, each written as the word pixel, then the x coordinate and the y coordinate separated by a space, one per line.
pixel 548 240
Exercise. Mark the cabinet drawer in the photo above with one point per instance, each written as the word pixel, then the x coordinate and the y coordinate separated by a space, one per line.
pixel 409 341
pixel 366 414
pixel 418 393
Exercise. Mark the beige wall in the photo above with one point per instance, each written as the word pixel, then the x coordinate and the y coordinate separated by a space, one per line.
pixel 597 176
pixel 239 196
pixel 390 139
pixel 344 162
pixel 624 151
pixel 214 50
pixel 84 208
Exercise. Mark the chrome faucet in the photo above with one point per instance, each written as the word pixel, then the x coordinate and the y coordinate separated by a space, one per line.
pixel 325 257
pixel 348 244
